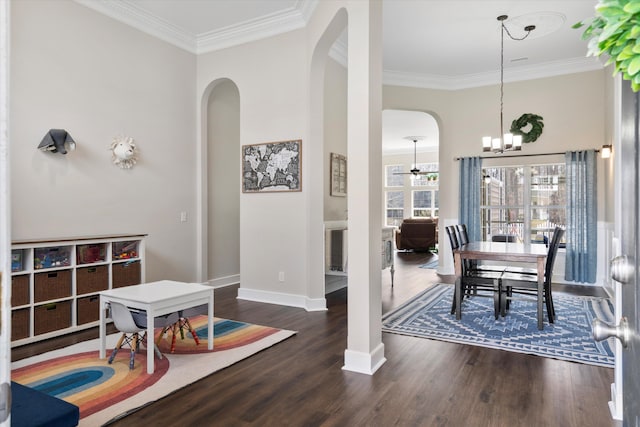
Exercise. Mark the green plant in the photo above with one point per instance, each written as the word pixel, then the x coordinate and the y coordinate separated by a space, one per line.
pixel 615 30
pixel 525 120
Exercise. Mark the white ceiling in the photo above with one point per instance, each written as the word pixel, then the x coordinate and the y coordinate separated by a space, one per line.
pixel 442 44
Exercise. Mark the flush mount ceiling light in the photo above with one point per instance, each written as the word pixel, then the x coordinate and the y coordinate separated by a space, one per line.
pixel 508 141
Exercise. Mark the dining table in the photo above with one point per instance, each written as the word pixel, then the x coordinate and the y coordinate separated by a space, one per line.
pixel 503 253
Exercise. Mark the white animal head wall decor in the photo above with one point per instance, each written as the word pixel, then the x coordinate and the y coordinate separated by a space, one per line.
pixel 125 153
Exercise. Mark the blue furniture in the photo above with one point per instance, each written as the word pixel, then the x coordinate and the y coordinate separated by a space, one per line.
pixel 33 408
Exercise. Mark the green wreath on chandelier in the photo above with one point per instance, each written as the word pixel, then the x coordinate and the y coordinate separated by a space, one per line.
pixel 525 120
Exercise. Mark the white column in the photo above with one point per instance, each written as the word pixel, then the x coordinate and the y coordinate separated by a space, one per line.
pixel 365 351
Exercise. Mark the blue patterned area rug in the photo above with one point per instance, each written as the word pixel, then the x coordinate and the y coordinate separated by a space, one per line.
pixel 433 263
pixel 428 315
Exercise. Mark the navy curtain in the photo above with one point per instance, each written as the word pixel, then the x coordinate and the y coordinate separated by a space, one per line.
pixel 470 175
pixel 581 234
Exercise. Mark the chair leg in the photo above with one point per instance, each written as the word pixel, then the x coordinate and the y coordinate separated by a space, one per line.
pixel 549 303
pixel 496 298
pixel 458 297
pixel 117 347
pixel 174 329
pixel 192 331
pixel 181 327
pixel 164 331
pixel 453 302
pixel 132 356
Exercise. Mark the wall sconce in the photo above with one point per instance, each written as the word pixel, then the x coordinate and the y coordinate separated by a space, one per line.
pixel 55 141
pixel 606 151
pixel 487 179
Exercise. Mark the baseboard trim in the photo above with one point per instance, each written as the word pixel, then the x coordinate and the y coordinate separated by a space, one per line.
pixel 615 404
pixel 221 282
pixel 289 300
pixel 364 363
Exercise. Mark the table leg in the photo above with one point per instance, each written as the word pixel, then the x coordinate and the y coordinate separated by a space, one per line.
pixel 103 328
pixel 210 325
pixel 458 294
pixel 150 340
pixel 540 292
pixel 458 286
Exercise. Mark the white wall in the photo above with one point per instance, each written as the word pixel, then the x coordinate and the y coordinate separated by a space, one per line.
pixel 273 102
pixel 76 69
pixel 335 134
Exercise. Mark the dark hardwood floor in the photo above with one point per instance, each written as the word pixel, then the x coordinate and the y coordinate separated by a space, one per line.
pixel 299 382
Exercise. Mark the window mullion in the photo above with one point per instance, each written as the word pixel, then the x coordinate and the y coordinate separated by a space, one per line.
pixel 527 204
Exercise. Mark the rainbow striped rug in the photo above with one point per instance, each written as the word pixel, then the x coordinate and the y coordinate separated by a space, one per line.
pixel 105 391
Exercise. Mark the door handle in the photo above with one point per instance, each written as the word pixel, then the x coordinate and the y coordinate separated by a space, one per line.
pixel 602 330
pixel 622 269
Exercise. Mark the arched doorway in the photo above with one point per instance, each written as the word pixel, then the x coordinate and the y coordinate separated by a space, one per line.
pixel 222 177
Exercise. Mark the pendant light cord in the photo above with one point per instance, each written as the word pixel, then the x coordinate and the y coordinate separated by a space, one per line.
pixel 528 29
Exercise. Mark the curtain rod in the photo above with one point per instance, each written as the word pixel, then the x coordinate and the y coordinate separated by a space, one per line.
pixel 519 155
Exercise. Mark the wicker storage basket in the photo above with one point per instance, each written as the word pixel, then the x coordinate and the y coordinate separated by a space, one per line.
pixel 126 274
pixel 20 290
pixel 19 324
pixel 51 317
pixel 52 285
pixel 88 309
pixel 92 279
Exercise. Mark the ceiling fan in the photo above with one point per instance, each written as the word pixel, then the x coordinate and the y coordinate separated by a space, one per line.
pixel 415 171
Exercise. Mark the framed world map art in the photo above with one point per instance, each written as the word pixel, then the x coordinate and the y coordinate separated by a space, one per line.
pixel 272 167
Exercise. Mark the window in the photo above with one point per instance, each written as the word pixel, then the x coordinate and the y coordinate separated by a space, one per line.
pixel 393 177
pixel 395 207
pixel 523 201
pixel 429 179
pixel 410 196
pixel 425 203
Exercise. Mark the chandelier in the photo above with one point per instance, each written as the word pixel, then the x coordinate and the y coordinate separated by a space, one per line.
pixel 508 141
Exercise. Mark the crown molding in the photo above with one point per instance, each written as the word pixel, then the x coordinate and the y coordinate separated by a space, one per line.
pixel 538 71
pixel 252 30
pixel 128 13
pixel 296 17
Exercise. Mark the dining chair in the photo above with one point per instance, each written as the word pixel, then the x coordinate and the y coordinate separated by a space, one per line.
pixel 472 264
pixel 132 334
pixel 174 323
pixel 523 285
pixel 474 282
pixel 454 244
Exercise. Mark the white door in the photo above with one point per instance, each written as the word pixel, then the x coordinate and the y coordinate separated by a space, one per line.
pixel 624 268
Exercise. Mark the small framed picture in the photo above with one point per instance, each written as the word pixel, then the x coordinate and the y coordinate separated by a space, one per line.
pixel 338 174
